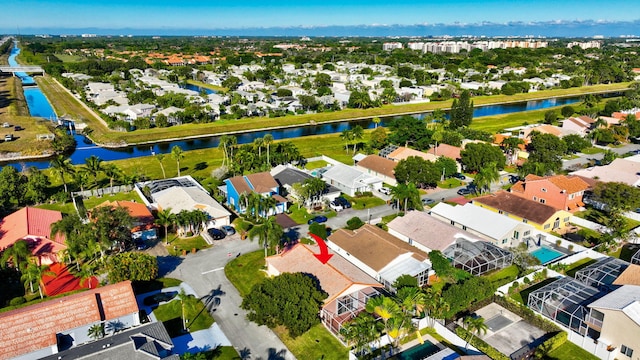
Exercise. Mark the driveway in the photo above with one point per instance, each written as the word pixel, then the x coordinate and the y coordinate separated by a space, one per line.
pixel 204 271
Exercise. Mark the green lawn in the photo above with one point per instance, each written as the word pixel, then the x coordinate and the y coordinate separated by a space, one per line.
pixel 523 295
pixel 176 244
pixel 245 271
pixel 592 150
pixel 503 276
pixel 90 203
pixel 450 183
pixel 198 317
pixel 317 343
pixel 570 351
pixel 364 202
pixel 315 164
pixel 628 250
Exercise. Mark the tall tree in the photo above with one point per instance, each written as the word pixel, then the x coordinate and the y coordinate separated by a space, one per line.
pixel 347 136
pixel 160 157
pixel 268 140
pixel 62 167
pixel 17 255
pixel 269 233
pixel 356 135
pixel 461 112
pixel 93 167
pixel 165 219
pixel 486 176
pixel 177 154
pixel 34 273
pixel 474 325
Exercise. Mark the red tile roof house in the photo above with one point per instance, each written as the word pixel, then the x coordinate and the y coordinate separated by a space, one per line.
pixel 142 217
pixel 381 255
pixel 379 167
pixel 348 287
pixel 560 191
pixel 34 226
pixel 50 327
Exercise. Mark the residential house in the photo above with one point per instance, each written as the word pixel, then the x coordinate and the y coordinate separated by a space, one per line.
pixel 624 170
pixel 379 167
pixel 137 111
pixel 559 191
pixel 171 114
pixel 580 125
pixel 142 217
pixel 260 183
pixel 526 132
pixel 182 193
pixel 412 229
pixel 446 150
pixel 348 288
pixel 380 254
pixel 34 226
pixel 397 153
pixel 535 213
pixel 49 327
pixel 286 176
pixel 615 319
pixel 485 224
pixel 350 180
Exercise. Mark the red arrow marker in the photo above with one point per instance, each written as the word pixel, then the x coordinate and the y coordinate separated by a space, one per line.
pixel 324 255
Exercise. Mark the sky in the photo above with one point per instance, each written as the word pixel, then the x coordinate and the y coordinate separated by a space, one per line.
pixel 217 14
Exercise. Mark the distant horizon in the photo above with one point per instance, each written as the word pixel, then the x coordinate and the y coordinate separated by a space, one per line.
pixel 545 29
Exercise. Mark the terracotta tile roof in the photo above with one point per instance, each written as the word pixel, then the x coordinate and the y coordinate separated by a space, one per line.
pixel 240 184
pixel 446 150
pixel 379 165
pixel 137 210
pixel 335 277
pixel 34 327
pixel 403 152
pixel 34 224
pixel 572 184
pixel 630 276
pixel 514 204
pixel 262 182
pixel 517 187
pixel 373 246
pixel 586 119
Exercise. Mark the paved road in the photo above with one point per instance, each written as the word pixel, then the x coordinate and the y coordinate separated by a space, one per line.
pixel 584 159
pixel 204 271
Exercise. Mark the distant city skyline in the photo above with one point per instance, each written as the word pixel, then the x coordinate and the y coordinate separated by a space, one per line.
pixel 203 15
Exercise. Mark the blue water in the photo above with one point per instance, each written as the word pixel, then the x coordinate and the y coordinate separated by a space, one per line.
pixel 199 89
pixel 38 104
pixel 418 352
pixel 546 255
pixel 26 79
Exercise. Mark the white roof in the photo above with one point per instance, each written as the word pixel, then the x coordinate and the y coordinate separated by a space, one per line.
pixel 350 176
pixel 189 198
pixel 475 218
pixel 170 110
pixel 625 299
pixel 620 170
pixel 402 265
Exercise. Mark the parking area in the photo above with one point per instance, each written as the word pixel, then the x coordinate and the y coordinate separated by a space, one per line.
pixel 506 331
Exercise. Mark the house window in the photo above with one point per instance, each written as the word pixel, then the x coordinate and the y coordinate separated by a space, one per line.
pixel 626 350
pixel 535 198
pixel 526 233
pixel 547 226
pixel 571 197
pixel 543 190
pixel 516 235
pixel 543 201
pixel 525 221
pixel 410 241
pixel 500 212
pixel 453 222
pixel 566 219
pixel 464 227
pixel 504 241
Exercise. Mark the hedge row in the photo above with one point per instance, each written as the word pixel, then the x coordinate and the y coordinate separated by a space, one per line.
pixel 481 345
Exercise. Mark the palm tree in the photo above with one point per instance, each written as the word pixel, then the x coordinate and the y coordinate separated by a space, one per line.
pixel 35 272
pixel 347 136
pixel 435 306
pixel 360 332
pixel 267 140
pixel 62 166
pixel 475 326
pixel 268 233
pixel 407 194
pixel 376 121
pixel 486 176
pixel 257 143
pixel 81 178
pixel 389 311
pixel 227 142
pixel 160 158
pixel 412 300
pixel 165 219
pixel 17 254
pixel 356 134
pixel 93 167
pixel 177 154
pixel 112 172
pixel 96 331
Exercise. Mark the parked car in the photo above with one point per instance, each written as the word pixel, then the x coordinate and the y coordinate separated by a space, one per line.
pixel 228 229
pixel 216 234
pixel 159 297
pixel 335 206
pixel 141 244
pixel 317 219
pixel 428 201
pixel 344 202
pixel 6 125
pixel 459 176
pixel 464 191
pixel 8 137
pixel 385 190
pixel 18 128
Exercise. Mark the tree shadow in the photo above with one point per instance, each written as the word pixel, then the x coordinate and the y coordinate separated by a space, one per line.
pixel 212 299
pixel 167 264
pixel 200 166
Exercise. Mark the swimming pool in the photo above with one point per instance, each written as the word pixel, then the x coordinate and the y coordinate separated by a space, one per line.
pixel 546 254
pixel 418 352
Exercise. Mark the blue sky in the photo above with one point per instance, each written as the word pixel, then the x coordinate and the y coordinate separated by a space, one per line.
pixel 217 14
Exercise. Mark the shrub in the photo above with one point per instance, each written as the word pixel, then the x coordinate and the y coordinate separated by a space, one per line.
pixel 481 345
pixel 17 301
pixel 558 242
pixel 526 280
pixel 570 247
pixel 354 223
pixel 318 229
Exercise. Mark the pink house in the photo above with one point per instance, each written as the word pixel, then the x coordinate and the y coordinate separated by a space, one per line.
pixel 560 191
